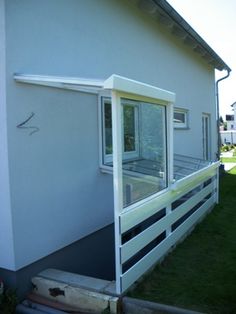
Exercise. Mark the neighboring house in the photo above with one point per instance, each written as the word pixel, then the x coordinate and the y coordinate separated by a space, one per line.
pixel 229 118
pixel 228 136
pixel 85 85
pixel 234 115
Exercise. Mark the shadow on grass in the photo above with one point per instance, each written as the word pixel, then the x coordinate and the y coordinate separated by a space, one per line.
pixel 200 274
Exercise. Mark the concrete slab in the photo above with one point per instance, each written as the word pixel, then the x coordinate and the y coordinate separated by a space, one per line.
pixel 83 292
pixel 74 296
pixel 227 154
pixel 137 306
pixel 229 165
pixel 76 280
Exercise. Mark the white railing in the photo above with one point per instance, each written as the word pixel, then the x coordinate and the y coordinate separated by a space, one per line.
pixel 148 231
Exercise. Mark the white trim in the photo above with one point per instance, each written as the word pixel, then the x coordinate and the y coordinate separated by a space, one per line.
pixel 195 177
pixel 114 82
pixel 71 83
pixel 181 125
pixel 117 180
pixel 170 143
pixel 107 158
pixel 124 85
pixel 102 94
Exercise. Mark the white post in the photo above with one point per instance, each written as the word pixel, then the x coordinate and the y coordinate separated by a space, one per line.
pixel 217 185
pixel 170 142
pixel 117 181
pixel 170 153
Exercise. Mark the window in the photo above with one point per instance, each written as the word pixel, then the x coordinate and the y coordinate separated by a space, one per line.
pixel 144 148
pixel 130 112
pixel 180 118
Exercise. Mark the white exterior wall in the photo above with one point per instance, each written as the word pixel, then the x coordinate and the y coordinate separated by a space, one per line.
pixel 57 191
pixel 6 233
pixel 230 125
pixel 228 137
pixel 234 109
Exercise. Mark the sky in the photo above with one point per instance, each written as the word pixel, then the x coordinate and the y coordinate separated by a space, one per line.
pixel 215 22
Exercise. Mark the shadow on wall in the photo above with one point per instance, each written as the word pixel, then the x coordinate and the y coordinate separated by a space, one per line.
pixel 91 256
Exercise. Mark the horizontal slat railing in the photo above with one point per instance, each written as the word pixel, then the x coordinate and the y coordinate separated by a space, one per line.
pixel 136 253
pixel 131 247
pixel 144 210
pixel 134 273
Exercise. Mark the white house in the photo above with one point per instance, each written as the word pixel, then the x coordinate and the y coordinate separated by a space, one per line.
pixel 108 136
pixel 228 136
pixel 229 118
pixel 234 115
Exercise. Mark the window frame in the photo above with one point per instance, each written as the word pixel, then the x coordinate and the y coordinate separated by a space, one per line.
pixel 107 158
pixel 181 125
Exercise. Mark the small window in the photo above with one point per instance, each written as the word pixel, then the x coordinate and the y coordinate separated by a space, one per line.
pixel 130 132
pixel 180 118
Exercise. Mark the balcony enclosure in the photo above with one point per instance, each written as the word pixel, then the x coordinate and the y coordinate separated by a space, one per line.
pixel 158 195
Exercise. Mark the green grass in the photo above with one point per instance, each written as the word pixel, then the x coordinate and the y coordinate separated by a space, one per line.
pixel 228 159
pixel 200 274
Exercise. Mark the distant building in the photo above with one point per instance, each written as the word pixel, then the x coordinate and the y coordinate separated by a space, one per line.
pixel 230 121
pixel 234 115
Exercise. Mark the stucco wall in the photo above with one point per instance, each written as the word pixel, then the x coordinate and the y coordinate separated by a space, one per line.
pixel 6 234
pixel 58 193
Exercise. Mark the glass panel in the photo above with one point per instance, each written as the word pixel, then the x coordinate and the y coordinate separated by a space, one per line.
pixel 129 128
pixel 108 128
pixel 145 172
pixel 185 165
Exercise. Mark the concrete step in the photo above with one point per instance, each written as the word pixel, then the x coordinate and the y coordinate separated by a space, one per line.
pixel 84 293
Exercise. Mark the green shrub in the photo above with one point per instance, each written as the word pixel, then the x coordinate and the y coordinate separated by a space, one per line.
pixel 225 148
pixel 8 301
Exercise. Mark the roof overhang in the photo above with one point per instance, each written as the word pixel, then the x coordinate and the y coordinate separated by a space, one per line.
pixel 166 15
pixel 113 83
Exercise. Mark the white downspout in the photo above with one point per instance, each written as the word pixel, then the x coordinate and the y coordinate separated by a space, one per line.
pixel 218 111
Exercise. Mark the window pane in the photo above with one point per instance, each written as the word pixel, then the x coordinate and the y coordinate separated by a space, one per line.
pixel 145 173
pixel 179 117
pixel 129 128
pixel 108 128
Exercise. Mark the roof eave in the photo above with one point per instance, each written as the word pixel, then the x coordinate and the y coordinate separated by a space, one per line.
pixel 170 18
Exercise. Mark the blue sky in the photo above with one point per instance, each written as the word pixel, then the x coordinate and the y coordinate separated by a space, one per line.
pixel 215 22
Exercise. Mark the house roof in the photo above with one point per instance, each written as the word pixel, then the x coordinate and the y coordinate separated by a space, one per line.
pixel 165 14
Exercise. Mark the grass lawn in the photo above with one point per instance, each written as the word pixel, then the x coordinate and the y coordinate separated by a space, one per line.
pixel 228 159
pixel 200 274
